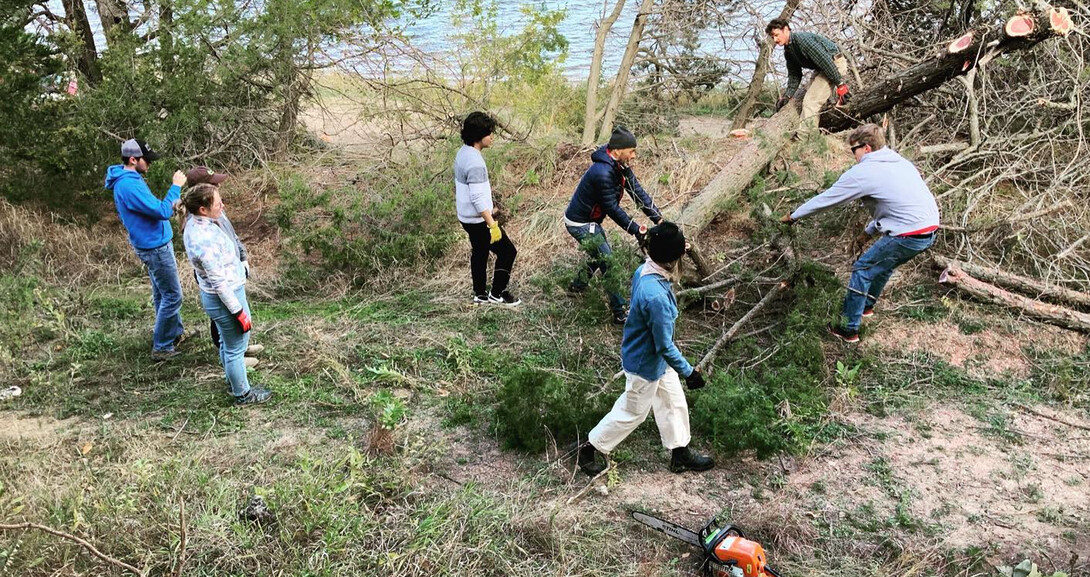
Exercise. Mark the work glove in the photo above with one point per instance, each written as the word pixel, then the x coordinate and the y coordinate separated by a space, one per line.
pixel 494 233
pixel 843 95
pixel 695 380
pixel 782 102
pixel 786 219
pixel 641 236
pixel 243 320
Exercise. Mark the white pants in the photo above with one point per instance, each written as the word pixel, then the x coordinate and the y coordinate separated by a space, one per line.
pixel 640 395
pixel 818 94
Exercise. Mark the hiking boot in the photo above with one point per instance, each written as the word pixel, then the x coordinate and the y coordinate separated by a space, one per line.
pixel 254 349
pixel 504 298
pixel 588 460
pixel 480 299
pixel 250 362
pixel 256 396
pixel 682 459
pixel 620 318
pixel 575 289
pixel 844 334
pixel 162 355
pixel 185 336
pixel 868 312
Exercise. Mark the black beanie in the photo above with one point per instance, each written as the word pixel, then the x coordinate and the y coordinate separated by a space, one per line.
pixel 621 138
pixel 665 242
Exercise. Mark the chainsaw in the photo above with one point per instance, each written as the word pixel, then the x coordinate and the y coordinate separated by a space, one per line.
pixel 727 552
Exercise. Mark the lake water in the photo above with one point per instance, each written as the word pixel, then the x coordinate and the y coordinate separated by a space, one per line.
pixel 579 27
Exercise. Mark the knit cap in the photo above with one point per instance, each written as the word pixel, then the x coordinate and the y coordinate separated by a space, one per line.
pixel 665 242
pixel 621 138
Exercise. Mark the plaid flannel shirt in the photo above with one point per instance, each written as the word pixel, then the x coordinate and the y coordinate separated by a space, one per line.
pixel 811 51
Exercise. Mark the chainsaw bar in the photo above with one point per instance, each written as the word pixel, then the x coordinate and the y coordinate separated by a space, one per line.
pixel 671 529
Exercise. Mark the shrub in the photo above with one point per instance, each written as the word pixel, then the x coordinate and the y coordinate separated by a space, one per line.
pixel 532 401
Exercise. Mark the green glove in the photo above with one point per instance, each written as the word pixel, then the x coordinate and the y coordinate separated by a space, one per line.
pixel 494 232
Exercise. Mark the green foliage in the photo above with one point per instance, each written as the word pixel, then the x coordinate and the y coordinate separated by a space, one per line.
pixel 845 375
pixel 389 410
pixel 777 406
pixel 406 224
pixel 533 404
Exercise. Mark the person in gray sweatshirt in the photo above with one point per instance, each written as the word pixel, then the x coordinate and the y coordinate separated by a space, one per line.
pixel 904 214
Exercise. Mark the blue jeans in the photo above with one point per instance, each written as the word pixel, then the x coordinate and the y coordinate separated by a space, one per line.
pixel 166 294
pixel 233 341
pixel 872 271
pixel 592 239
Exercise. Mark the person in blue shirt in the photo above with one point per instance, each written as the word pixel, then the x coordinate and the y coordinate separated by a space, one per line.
pixel 147 220
pixel 652 363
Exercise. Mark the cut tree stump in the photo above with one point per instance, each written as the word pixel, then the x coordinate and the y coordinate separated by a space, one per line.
pixel 1049 313
pixel 959 56
pixel 1021 284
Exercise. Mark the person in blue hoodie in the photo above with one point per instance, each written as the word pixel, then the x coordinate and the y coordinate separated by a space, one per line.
pixel 652 364
pixel 598 195
pixel 147 220
pixel 905 217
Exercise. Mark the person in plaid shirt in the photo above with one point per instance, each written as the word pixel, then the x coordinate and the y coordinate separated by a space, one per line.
pixel 814 52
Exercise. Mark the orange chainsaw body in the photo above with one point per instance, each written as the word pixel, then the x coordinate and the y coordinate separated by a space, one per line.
pixel 742 553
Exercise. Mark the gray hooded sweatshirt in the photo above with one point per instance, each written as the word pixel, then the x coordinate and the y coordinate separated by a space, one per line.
pixel 892 190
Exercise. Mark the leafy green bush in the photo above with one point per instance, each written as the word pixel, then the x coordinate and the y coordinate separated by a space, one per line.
pixel 531 401
pixel 779 404
pixel 409 223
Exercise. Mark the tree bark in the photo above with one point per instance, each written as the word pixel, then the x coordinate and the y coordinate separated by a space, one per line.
pixel 621 84
pixel 1052 314
pixel 988 42
pixel 590 118
pixel 738 171
pixel 114 15
pixel 1021 284
pixel 75 16
pixel 745 111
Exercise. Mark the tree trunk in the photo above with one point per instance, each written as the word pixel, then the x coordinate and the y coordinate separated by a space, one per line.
pixel 1019 283
pixel 114 15
pixel 75 16
pixel 166 35
pixel 1052 314
pixel 740 169
pixel 626 66
pixel 745 111
pixel 987 43
pixel 590 118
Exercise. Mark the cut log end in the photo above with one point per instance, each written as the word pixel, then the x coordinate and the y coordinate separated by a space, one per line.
pixel 1059 20
pixel 961 44
pixel 1019 26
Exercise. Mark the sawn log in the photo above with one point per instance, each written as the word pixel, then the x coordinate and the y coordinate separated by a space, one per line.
pixel 1049 313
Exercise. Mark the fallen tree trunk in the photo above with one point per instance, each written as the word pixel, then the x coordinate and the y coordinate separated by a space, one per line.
pixel 1021 284
pixel 976 47
pixel 739 170
pixel 1049 313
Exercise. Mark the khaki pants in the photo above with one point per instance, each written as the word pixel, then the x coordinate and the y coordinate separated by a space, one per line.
pixel 818 94
pixel 665 396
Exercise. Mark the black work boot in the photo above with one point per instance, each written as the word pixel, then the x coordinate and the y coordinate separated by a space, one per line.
pixel 682 459
pixel 588 460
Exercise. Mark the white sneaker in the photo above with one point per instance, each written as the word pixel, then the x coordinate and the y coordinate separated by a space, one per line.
pixel 250 362
pixel 505 298
pixel 254 349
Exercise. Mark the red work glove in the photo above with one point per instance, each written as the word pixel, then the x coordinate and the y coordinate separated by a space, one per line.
pixel 843 95
pixel 244 320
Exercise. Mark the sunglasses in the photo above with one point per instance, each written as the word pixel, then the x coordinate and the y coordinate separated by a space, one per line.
pixel 857 147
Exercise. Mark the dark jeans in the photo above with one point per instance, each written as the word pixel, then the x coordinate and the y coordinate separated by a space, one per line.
pixel 481 244
pixel 166 295
pixel 872 271
pixel 592 239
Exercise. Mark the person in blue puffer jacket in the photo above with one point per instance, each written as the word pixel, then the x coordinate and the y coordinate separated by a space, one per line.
pixel 652 364
pixel 147 220
pixel 598 195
